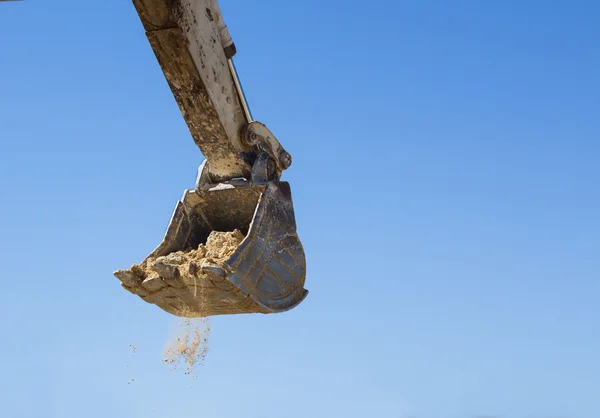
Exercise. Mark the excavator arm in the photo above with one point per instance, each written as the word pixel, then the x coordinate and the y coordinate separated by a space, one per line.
pixel 231 246
pixel 238 188
pixel 193 48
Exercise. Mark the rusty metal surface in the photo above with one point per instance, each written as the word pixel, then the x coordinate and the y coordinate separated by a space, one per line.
pixel 270 264
pixel 185 38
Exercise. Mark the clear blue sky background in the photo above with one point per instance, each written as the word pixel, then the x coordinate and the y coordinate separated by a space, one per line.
pixel 446 183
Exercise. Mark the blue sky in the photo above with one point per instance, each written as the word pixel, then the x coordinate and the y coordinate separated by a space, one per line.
pixel 445 180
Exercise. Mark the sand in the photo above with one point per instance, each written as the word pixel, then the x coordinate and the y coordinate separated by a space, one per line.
pixel 189 346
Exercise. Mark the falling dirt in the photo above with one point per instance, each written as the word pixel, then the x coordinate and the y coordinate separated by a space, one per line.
pixel 189 346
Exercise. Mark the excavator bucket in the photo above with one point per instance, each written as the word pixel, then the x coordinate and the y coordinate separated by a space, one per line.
pixel 265 273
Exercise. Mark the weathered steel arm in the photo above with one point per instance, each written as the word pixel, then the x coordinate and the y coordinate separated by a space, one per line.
pixel 192 48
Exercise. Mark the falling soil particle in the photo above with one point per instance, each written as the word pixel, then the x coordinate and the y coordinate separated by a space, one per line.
pixel 190 346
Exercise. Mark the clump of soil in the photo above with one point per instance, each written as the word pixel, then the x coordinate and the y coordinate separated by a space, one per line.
pixel 218 248
pixel 221 245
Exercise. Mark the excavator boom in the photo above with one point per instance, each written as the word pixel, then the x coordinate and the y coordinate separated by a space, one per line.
pixel 187 39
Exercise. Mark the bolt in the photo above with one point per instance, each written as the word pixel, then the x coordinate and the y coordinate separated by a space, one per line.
pixel 249 138
pixel 253 137
pixel 285 159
